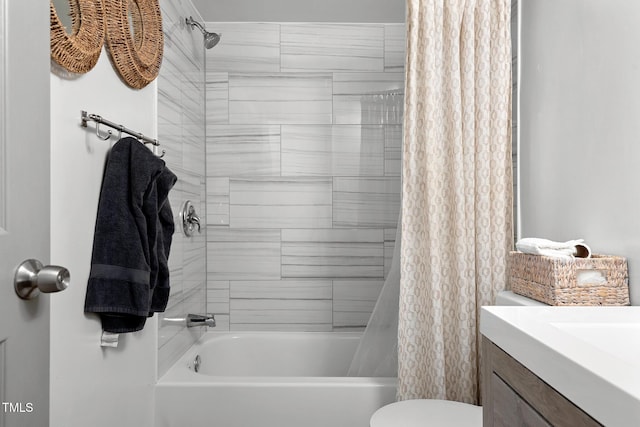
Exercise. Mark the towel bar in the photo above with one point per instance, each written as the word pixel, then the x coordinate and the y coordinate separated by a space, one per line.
pixel 85 117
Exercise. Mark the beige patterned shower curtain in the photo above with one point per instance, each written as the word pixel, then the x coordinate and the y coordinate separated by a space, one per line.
pixel 457 190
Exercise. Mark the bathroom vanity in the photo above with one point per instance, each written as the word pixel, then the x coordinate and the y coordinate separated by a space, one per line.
pixel 514 396
pixel 561 366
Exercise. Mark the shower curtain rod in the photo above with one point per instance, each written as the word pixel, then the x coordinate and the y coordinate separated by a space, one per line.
pixel 85 117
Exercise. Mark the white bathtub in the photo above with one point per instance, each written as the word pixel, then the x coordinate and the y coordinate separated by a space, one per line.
pixel 270 379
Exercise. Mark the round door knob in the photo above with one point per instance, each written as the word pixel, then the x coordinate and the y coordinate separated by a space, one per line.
pixel 32 278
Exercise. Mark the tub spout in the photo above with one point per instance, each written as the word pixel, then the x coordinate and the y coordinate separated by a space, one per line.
pixel 200 320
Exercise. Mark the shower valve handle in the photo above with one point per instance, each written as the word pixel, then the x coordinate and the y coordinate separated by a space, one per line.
pixel 193 218
pixel 190 220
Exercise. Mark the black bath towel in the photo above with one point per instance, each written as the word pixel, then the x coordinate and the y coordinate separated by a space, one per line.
pixel 129 278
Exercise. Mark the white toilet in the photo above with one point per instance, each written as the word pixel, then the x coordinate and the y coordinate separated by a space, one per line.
pixel 439 413
pixel 427 413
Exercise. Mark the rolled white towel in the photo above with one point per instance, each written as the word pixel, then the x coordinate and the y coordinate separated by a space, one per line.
pixel 569 249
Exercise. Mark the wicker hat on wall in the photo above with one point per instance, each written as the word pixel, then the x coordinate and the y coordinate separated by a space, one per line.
pixel 78 51
pixel 135 39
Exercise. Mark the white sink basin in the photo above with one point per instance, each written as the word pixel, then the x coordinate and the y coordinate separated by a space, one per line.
pixel 589 354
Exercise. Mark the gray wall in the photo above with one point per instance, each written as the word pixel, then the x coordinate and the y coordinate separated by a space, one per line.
pixel 579 127
pixel 389 11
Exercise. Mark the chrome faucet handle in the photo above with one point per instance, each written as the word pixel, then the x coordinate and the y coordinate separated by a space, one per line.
pixel 193 218
pixel 189 219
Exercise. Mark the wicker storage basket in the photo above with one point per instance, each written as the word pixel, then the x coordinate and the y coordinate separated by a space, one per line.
pixel 556 281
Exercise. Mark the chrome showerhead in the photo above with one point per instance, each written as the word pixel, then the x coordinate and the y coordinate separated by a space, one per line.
pixel 210 39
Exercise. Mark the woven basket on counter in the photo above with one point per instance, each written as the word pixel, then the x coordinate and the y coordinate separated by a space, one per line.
pixel 555 281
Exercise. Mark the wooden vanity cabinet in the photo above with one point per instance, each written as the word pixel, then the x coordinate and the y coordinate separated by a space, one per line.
pixel 513 396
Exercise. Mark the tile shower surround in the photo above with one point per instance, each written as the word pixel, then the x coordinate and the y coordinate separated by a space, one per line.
pixel 303 172
pixel 181 114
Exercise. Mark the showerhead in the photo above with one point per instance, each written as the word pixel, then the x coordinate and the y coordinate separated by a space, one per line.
pixel 210 39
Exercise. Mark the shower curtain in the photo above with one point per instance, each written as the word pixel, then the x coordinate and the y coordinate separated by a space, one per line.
pixel 377 352
pixel 457 191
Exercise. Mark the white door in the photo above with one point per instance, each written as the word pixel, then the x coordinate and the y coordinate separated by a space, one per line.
pixel 24 208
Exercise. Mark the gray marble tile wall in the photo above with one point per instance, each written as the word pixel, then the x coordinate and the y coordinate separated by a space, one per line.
pixel 303 172
pixel 181 131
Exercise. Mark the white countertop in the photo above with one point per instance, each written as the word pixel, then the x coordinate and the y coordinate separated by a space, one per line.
pixel 591 355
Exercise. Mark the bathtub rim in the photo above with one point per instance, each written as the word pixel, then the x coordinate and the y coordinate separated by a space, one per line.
pixel 179 373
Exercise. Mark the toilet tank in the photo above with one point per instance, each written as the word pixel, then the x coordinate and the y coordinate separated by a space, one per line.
pixel 510 298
